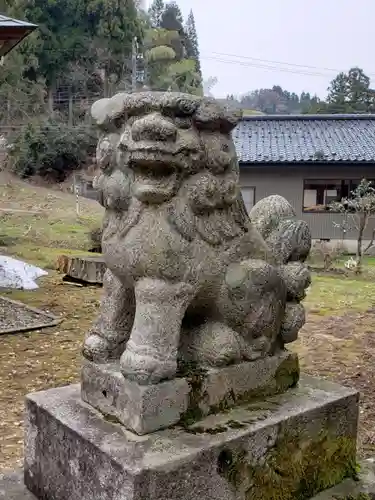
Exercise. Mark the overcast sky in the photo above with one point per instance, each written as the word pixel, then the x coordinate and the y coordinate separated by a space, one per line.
pixel 327 34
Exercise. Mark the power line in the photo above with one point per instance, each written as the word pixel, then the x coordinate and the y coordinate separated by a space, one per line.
pixel 278 62
pixel 258 63
pixel 278 68
pixel 266 67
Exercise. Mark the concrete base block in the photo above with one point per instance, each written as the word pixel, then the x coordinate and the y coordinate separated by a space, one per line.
pixel 296 444
pixel 144 409
pixel 12 486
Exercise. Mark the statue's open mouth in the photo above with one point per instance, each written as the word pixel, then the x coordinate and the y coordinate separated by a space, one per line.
pixel 157 169
pixel 155 175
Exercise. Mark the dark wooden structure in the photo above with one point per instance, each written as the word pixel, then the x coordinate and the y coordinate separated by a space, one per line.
pixel 12 32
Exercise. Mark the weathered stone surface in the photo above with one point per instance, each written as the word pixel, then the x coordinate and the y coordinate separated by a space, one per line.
pixel 72 453
pixel 140 408
pixel 363 488
pixel 12 486
pixel 144 409
pixel 89 269
pixel 189 274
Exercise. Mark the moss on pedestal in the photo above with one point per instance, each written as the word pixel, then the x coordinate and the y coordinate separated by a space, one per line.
pixel 295 468
pixel 286 376
pixel 195 377
pixel 360 496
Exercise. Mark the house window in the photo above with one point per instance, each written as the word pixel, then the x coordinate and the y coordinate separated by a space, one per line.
pixel 248 195
pixel 318 194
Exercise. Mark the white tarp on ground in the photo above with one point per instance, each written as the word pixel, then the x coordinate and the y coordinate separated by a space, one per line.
pixel 17 274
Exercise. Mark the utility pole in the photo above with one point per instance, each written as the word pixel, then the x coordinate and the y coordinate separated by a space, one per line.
pixel 134 63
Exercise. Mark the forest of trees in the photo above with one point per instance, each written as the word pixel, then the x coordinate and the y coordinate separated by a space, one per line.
pixel 81 51
pixel 347 93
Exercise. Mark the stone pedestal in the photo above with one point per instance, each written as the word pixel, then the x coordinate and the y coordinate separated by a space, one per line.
pixel 296 444
pixel 197 393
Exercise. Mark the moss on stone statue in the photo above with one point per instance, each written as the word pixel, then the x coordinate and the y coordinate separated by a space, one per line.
pixel 286 377
pixel 195 377
pixel 296 468
pixel 360 496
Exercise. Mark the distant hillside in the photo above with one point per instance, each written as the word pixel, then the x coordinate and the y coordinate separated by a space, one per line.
pixel 251 112
pixel 234 104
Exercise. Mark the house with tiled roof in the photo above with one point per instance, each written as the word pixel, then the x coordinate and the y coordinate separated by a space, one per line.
pixel 311 160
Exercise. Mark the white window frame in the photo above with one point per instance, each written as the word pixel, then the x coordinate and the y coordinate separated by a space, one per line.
pixel 250 189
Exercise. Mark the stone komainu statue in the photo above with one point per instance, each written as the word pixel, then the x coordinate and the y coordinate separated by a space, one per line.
pixel 190 275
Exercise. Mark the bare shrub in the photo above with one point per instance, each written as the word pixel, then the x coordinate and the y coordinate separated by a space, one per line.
pixel 324 253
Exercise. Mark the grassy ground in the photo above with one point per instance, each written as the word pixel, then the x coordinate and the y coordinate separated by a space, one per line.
pixel 338 341
pixel 368 262
pixel 48 224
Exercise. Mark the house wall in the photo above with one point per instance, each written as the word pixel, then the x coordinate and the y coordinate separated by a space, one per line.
pixel 288 182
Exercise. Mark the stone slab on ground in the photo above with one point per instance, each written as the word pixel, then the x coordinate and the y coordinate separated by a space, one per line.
pixel 144 409
pixel 15 316
pixel 85 268
pixel 72 452
pixel 12 486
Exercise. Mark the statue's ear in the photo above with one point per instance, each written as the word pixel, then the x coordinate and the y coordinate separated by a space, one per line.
pixel 214 116
pixel 100 112
pixel 107 113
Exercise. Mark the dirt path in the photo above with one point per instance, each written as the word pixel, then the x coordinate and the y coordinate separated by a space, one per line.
pixel 41 359
pixel 342 348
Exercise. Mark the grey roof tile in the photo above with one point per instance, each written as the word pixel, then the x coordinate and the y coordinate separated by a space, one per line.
pixel 306 138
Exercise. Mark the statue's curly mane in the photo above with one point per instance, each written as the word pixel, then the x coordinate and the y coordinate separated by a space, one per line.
pixel 214 223
pixel 216 227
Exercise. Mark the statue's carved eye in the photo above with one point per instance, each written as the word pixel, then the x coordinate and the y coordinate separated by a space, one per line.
pixel 225 148
pixel 185 107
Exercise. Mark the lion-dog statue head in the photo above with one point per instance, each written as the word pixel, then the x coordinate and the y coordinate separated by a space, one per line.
pixel 156 145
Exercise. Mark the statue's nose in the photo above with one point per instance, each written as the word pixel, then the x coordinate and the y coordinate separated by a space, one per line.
pixel 154 127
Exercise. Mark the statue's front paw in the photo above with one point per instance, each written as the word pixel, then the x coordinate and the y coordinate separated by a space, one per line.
pixel 145 369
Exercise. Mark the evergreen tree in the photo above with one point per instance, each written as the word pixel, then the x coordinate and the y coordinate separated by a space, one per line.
pixel 4 5
pixel 359 94
pixel 172 18
pixel 338 91
pixel 350 93
pixel 155 13
pixel 79 41
pixel 113 25
pixel 192 46
pixel 159 54
pixel 168 68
